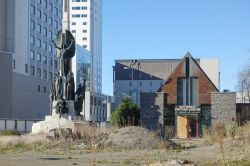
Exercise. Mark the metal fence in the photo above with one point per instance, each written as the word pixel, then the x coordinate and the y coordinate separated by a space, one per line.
pixel 19 125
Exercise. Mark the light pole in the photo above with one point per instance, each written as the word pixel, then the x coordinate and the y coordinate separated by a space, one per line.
pixel 134 91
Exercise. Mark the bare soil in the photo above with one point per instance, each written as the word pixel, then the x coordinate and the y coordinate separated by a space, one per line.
pixel 192 150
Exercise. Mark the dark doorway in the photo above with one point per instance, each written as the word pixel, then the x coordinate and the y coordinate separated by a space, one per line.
pixel 193 127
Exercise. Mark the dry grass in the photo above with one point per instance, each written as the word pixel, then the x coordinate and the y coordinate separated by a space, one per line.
pixel 25 139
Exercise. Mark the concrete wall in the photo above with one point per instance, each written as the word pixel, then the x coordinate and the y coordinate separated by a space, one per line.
pixel 223 107
pixel 5 84
pixel 28 102
pixel 152 110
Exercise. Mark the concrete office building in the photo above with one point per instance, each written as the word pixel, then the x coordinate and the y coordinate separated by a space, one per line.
pixel 30 62
pixel 86 26
pixel 95 107
pixel 132 77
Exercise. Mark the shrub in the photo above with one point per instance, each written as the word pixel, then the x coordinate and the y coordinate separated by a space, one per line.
pixel 9 132
pixel 126 114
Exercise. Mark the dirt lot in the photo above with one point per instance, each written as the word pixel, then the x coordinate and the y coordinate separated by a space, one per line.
pixel 192 150
pixel 125 146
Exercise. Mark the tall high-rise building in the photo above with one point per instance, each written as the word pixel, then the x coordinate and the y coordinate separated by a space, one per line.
pixel 86 26
pixel 31 27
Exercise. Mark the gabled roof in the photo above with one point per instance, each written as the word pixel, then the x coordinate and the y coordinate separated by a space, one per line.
pixel 182 61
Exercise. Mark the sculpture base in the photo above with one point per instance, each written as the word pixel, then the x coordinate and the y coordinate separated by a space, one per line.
pixel 69 120
pixel 53 122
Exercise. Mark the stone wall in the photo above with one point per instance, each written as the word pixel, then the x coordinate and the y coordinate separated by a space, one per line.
pixel 223 107
pixel 152 110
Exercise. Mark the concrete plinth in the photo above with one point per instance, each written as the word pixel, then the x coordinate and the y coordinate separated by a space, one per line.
pixel 52 122
pixel 69 120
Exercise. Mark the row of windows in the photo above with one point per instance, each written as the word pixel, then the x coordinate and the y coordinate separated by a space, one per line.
pixel 45 2
pixel 79 0
pixel 38 73
pixel 38 12
pixel 39 59
pixel 79 15
pixel 83 31
pixel 74 23
pixel 80 8
pixel 39 89
pixel 97 111
pixel 39 44
pixel 150 83
pixel 39 28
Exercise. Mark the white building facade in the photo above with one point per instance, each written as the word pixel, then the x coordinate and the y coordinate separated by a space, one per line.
pixel 33 25
pixel 86 27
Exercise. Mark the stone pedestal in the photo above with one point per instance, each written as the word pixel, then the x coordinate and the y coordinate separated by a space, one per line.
pixel 69 120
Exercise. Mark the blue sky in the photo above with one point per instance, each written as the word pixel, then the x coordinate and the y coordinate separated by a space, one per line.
pixel 162 29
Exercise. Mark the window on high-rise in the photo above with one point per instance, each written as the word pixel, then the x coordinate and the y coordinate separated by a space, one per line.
pixel 38 72
pixel 50 48
pixel 32 40
pixel 26 68
pixel 14 64
pixel 44 17
pixel 38 28
pixel 50 75
pixel 32 70
pixel 44 31
pixel 73 23
pixel 44 45
pixel 50 34
pixel 33 10
pixel 39 14
pixel 76 15
pixel 45 3
pixel 32 24
pixel 84 23
pixel 55 11
pixel 32 55
pixel 84 31
pixel 38 43
pixel 76 8
pixel 55 64
pixel 44 59
pixel 50 62
pixel 50 21
pixel 84 8
pixel 50 7
pixel 56 25
pixel 38 57
pixel 84 38
pixel 73 31
pixel 84 15
pixel 44 74
pixel 39 1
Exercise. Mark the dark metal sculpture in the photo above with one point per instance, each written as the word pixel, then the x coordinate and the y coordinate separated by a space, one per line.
pixel 79 97
pixel 61 107
pixel 70 87
pixel 63 86
pixel 65 43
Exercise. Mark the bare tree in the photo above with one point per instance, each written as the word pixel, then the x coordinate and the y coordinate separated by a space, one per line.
pixel 244 83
